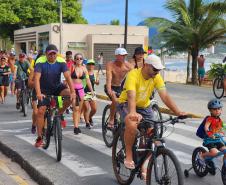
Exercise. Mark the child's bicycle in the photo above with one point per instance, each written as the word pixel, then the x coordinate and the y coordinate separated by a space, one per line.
pixel 203 167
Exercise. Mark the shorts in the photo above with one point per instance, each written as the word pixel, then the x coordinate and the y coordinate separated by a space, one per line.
pixel 55 92
pixel 79 90
pixel 19 84
pixel 89 97
pixel 201 72
pixel 11 80
pixel 212 145
pixel 116 89
pixel 147 113
pixel 4 81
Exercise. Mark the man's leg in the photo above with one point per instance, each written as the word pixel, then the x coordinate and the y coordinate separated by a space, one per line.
pixel 67 102
pixel 130 134
pixel 40 122
pixel 112 111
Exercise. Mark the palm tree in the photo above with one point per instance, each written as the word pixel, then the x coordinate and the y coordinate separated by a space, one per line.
pixel 197 25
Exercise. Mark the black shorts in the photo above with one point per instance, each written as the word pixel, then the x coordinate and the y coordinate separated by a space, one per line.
pixel 55 92
pixel 116 89
pixel 4 81
pixel 217 145
pixel 19 84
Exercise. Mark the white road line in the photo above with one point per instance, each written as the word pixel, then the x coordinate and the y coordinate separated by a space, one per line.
pixel 15 130
pixel 76 163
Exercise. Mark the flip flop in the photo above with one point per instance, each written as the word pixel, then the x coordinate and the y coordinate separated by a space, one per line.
pixel 129 165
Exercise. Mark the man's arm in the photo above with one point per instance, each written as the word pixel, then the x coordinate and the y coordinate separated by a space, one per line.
pixel 168 101
pixel 109 77
pixel 37 77
pixel 131 95
pixel 67 77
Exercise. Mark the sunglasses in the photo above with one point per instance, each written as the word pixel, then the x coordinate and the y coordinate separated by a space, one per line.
pixel 155 70
pixel 79 58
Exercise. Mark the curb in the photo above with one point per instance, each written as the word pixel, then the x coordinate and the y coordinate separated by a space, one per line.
pixel 16 157
pixel 162 109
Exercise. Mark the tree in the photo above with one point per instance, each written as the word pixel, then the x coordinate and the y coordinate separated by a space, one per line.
pixel 196 26
pixel 16 14
pixel 115 22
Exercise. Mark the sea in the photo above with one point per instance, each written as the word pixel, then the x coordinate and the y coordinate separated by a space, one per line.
pixel 181 64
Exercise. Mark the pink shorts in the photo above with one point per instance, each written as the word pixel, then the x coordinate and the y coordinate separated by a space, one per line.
pixel 79 91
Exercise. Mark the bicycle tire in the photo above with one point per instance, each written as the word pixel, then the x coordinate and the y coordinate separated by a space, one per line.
pixel 200 170
pixel 223 174
pixel 164 179
pixel 118 160
pixel 107 140
pixel 58 138
pixel 218 86
pixel 47 132
pixel 24 103
pixel 156 110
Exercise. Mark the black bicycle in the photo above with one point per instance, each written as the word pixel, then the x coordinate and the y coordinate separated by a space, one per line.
pixel 163 166
pixel 108 133
pixel 218 83
pixel 52 123
pixel 23 98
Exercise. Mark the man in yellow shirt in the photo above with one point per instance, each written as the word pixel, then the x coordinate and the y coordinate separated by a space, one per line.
pixel 134 101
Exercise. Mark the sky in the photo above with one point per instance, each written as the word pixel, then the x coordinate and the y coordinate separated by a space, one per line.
pixel 103 11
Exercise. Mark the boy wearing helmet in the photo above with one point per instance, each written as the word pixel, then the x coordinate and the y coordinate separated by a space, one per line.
pixel 213 127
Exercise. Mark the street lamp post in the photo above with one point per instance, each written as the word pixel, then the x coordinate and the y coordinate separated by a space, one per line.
pixel 126 25
pixel 61 25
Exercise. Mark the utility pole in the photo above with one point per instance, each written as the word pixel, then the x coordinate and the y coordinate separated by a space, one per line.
pixel 126 25
pixel 61 25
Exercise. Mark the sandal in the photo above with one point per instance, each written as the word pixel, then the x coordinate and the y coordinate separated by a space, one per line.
pixel 129 165
pixel 144 176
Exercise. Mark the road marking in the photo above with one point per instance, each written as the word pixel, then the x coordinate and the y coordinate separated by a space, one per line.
pixel 15 130
pixel 76 163
pixel 10 173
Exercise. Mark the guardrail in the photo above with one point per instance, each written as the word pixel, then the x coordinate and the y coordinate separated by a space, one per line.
pixel 162 109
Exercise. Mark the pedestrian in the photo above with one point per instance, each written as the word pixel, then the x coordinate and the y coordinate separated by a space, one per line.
pixel 13 67
pixel 100 62
pixel 201 69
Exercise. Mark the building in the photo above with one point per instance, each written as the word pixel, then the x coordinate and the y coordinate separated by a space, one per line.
pixel 89 40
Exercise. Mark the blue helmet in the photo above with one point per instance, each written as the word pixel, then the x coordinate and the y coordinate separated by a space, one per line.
pixel 214 104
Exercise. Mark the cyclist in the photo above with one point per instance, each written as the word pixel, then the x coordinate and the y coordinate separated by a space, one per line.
pixel 213 126
pixel 79 74
pixel 47 75
pixel 89 99
pixel 115 74
pixel 22 66
pixel 138 57
pixel 134 101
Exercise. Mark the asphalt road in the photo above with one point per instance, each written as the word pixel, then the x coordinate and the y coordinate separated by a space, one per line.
pixel 86 160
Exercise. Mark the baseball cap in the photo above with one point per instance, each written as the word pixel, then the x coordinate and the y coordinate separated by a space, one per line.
pixel 121 51
pixel 90 61
pixel 22 55
pixel 139 50
pixel 155 61
pixel 51 49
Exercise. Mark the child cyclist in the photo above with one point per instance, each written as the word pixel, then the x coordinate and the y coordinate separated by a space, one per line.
pixel 213 127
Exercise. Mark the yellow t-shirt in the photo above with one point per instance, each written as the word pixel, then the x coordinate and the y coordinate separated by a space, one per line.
pixel 143 88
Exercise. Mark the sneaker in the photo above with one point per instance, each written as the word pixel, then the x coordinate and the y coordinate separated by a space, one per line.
pixel 79 131
pixel 76 132
pixel 63 122
pixel 39 142
pixel 33 129
pixel 17 106
pixel 91 121
pixel 88 126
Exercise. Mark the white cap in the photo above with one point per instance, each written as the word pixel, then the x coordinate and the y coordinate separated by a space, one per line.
pixel 155 61
pixel 121 51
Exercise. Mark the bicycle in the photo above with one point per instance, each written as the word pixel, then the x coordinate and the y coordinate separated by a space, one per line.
pixel 108 134
pixel 218 83
pixel 201 169
pixel 151 147
pixel 23 97
pixel 53 125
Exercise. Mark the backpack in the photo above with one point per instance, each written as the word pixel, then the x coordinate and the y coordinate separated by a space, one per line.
pixel 201 129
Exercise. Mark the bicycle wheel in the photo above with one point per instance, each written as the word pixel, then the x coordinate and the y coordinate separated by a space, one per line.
pixel 158 116
pixel 58 138
pixel 24 103
pixel 218 87
pixel 123 175
pixel 200 169
pixel 223 174
pixel 47 131
pixel 164 169
pixel 108 134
